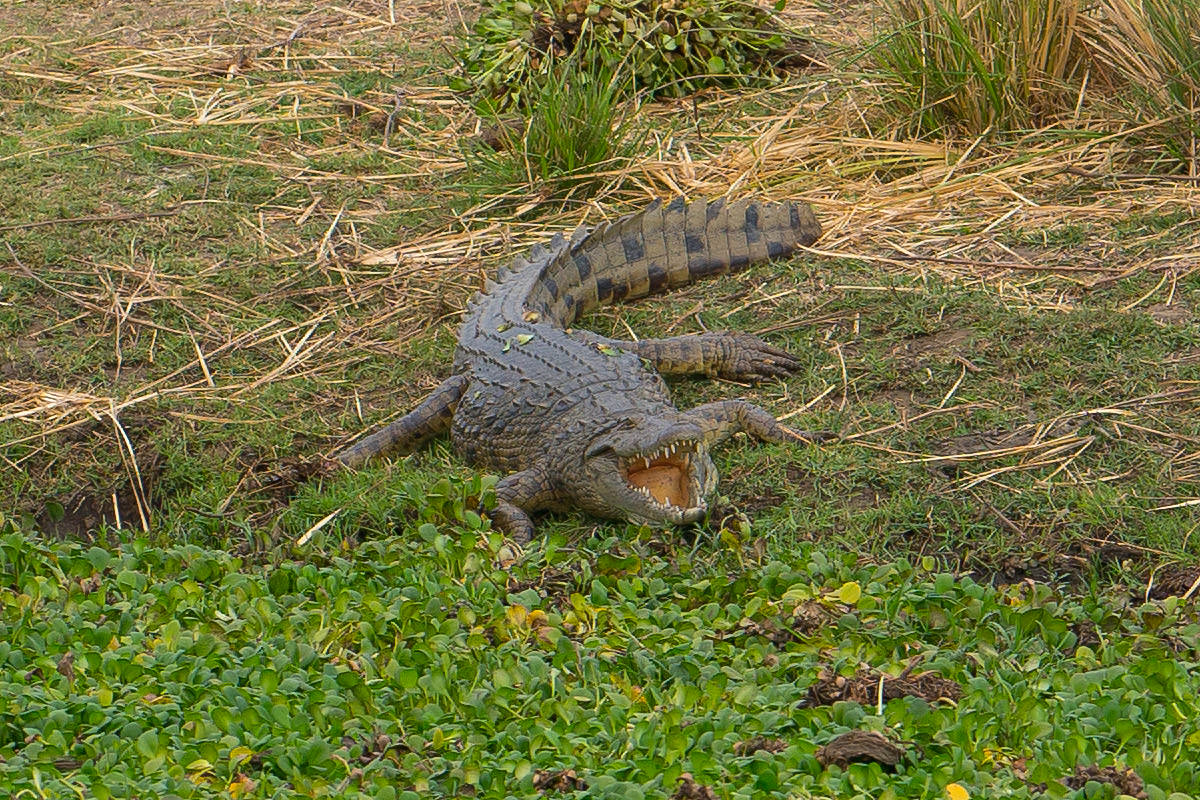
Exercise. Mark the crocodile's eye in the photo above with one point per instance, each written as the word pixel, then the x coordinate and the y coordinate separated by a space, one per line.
pixel 597 450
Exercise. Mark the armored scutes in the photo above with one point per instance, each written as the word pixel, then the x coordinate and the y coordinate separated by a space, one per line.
pixel 577 420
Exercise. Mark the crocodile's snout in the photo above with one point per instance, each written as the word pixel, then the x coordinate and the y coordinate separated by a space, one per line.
pixel 660 476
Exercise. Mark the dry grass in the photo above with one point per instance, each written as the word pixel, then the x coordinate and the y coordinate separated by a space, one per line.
pixel 981 66
pixel 1151 45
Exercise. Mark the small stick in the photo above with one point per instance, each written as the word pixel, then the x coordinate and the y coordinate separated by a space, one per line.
pixel 95 218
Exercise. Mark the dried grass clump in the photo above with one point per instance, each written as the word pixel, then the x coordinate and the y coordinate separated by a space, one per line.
pixel 971 66
pixel 967 68
pixel 1152 48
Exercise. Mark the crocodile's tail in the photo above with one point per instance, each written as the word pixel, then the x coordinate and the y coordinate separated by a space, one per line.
pixel 663 247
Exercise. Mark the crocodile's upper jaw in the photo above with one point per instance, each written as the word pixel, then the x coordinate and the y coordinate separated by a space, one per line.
pixel 663 484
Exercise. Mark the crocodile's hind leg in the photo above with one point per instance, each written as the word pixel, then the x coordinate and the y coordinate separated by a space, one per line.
pixel 722 419
pixel 719 354
pixel 418 426
pixel 517 496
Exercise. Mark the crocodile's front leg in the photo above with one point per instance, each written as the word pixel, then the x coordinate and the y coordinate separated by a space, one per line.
pixel 517 496
pixel 722 419
pixel 431 417
pixel 719 354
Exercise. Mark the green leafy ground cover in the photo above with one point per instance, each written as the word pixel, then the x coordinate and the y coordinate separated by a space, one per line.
pixel 412 667
pixel 198 298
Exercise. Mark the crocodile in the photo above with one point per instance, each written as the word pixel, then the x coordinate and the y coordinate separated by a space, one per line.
pixel 574 419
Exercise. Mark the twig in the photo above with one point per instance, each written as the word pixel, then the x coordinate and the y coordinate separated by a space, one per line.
pixel 1132 176
pixel 95 218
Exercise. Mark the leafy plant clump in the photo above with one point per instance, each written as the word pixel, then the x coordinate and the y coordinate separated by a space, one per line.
pixel 671 47
pixel 971 67
pixel 578 129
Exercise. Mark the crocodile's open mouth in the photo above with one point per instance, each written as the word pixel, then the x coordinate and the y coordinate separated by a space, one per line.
pixel 666 476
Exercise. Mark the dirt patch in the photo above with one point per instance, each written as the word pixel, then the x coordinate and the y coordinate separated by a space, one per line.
pixel 1014 569
pixel 860 747
pixel 802 481
pixel 920 349
pixel 862 499
pixel 1174 582
pixel 554 584
pixel 1086 634
pixel 901 399
pixel 690 790
pixel 557 780
pixel 1170 314
pixel 807 619
pixel 1003 438
pixel 23 359
pixel 759 744
pixel 748 505
pixel 373 746
pixel 1126 781
pixel 866 686
pixel 280 481
pixel 128 504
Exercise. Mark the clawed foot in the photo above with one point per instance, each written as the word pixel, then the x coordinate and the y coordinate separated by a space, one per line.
pixel 746 357
pixel 809 437
pixel 517 528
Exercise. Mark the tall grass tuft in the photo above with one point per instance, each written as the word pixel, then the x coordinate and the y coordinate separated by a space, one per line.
pixel 972 66
pixel 1153 48
pixel 578 131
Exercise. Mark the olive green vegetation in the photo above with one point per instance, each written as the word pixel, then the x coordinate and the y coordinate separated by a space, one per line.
pixel 412 667
pixel 670 48
pixel 1016 477
pixel 1163 73
pixel 578 127
pixel 997 64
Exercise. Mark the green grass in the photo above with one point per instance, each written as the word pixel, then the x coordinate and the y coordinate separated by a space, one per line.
pixel 1151 48
pixel 579 125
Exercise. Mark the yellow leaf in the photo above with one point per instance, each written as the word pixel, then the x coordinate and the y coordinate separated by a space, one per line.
pixel 239 754
pixel 955 791
pixel 241 785
pixel 849 593
pixel 515 615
